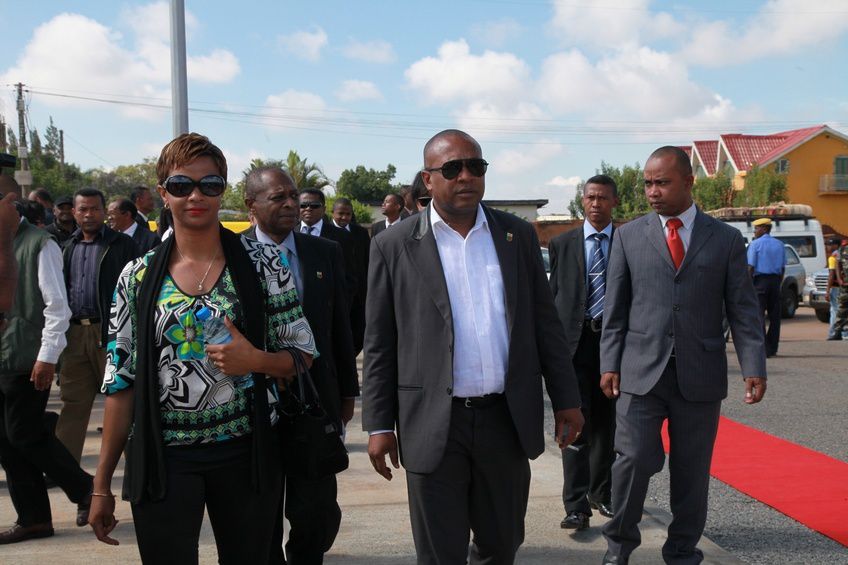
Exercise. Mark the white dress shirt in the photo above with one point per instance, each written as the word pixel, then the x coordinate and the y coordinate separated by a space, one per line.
pixel 684 231
pixel 130 231
pixel 57 314
pixel 478 306
pixel 389 224
pixel 347 227
pixel 315 229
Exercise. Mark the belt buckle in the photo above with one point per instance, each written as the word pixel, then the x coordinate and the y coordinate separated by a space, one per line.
pixel 596 324
pixel 85 322
pixel 468 403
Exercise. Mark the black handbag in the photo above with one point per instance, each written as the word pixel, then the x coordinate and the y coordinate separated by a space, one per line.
pixel 312 446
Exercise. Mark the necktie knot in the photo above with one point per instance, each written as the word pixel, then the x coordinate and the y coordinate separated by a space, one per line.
pixel 674 223
pixel 599 237
pixel 675 243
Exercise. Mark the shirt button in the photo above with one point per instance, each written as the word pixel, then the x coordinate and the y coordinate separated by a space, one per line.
pixel 676 308
pixel 670 334
pixel 450 390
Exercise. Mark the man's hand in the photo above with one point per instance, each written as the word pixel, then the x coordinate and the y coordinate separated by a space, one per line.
pixel 378 446
pixel 755 389
pixel 42 375
pixel 573 419
pixel 102 519
pixel 235 358
pixel 347 409
pixel 610 384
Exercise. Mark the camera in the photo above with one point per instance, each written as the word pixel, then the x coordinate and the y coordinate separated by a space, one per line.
pixel 7 160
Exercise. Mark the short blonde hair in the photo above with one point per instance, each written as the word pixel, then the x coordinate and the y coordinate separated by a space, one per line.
pixel 185 149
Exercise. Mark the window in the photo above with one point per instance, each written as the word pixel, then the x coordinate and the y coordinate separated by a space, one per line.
pixel 805 245
pixel 791 256
pixel 782 166
pixel 840 165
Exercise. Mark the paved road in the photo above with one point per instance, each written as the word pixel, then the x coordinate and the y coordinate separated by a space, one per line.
pixel 805 404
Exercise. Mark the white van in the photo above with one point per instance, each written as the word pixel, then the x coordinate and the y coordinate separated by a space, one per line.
pixel 803 232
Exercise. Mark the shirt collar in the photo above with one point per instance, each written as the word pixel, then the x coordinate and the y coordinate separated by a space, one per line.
pixel 130 231
pixel 347 227
pixel 589 230
pixel 480 222
pixel 78 234
pixel 263 237
pixel 687 217
pixel 318 225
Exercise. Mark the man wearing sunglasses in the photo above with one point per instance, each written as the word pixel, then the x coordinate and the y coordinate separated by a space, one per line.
pixel 314 221
pixel 459 372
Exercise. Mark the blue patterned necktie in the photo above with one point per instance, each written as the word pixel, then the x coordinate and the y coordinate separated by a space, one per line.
pixel 597 279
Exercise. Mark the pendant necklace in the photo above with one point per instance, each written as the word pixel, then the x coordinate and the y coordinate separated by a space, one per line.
pixel 206 274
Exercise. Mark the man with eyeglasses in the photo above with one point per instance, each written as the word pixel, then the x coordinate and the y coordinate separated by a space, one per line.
pixel 392 208
pixel 314 221
pixel 458 374
pixel 93 259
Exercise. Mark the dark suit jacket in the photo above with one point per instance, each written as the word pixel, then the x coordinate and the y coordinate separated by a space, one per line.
pixel 361 248
pixel 142 223
pixel 380 225
pixel 651 310
pixel 145 240
pixel 344 239
pixel 325 306
pixel 568 282
pixel 408 376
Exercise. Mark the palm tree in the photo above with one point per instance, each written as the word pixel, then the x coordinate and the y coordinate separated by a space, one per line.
pixel 305 174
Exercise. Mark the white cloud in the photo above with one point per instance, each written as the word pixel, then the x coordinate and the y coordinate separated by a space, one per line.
pixel 519 161
pixel 496 33
pixel 72 52
pixel 291 107
pixel 238 162
pixel 304 44
pixel 780 27
pixel 562 181
pixel 353 90
pixel 376 51
pixel 457 74
pixel 602 23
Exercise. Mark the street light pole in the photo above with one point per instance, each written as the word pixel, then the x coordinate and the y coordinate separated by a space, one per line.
pixel 179 81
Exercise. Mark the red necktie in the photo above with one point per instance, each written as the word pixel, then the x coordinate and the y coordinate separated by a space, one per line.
pixel 675 244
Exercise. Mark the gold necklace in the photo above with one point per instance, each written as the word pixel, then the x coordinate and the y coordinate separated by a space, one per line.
pixel 206 274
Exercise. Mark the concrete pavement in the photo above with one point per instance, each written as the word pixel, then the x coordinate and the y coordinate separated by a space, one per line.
pixel 375 526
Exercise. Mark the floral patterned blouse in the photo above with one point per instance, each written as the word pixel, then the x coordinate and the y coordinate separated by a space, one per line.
pixel 199 403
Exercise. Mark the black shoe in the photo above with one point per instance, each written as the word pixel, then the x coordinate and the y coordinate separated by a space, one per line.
pixel 604 509
pixel 83 509
pixel 22 533
pixel 575 521
pixel 610 559
pixel 834 337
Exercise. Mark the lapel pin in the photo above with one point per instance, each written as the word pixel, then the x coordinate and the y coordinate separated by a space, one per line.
pixel 319 274
pixel 509 236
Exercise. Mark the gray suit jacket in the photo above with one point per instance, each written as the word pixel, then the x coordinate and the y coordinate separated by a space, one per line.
pixel 408 373
pixel 568 282
pixel 651 310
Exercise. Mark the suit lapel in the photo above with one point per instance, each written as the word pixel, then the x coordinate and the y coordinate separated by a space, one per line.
pixel 421 246
pixel 506 247
pixel 702 230
pixel 654 233
pixel 305 261
pixel 578 257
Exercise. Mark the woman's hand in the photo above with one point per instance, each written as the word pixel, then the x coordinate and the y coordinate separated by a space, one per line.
pixel 102 519
pixel 236 358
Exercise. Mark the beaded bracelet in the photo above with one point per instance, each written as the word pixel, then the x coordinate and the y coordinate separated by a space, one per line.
pixel 103 494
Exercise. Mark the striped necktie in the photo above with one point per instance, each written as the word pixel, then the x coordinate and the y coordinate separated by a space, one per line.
pixel 597 279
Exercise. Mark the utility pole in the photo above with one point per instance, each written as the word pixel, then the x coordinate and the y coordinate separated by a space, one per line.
pixel 3 144
pixel 179 81
pixel 62 148
pixel 23 176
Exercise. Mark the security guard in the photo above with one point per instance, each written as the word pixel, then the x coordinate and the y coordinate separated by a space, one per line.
pixel 767 262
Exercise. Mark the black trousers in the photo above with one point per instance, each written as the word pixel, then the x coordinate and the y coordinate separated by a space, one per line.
pixel 29 450
pixel 692 430
pixel 587 463
pixel 217 478
pixel 314 515
pixel 768 292
pixel 481 485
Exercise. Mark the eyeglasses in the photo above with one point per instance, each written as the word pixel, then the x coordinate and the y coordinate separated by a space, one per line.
pixel 310 205
pixel 424 200
pixel 451 169
pixel 181 185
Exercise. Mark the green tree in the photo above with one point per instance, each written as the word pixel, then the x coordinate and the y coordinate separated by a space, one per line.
pixel 366 185
pixel 575 207
pixel 304 173
pixel 631 192
pixel 762 187
pixel 123 178
pixel 52 140
pixel 711 193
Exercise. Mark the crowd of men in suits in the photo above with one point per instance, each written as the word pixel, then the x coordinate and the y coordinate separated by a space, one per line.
pixel 460 328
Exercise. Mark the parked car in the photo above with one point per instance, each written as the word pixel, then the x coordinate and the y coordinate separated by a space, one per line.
pixel 546 258
pixel 792 286
pixel 819 299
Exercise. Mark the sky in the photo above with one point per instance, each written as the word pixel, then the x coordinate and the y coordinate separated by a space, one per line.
pixel 550 89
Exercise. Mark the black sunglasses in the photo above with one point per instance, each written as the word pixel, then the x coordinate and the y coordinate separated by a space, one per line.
pixel 310 205
pixel 181 185
pixel 424 200
pixel 451 169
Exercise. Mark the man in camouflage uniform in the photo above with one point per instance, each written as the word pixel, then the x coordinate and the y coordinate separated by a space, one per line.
pixel 842 279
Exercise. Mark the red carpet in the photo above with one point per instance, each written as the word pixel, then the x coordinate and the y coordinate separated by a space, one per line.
pixel 807 486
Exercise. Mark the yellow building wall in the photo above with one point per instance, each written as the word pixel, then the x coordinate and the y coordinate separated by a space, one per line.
pixel 807 163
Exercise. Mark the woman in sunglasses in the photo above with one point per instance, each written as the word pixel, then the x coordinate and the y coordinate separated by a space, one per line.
pixel 199 417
